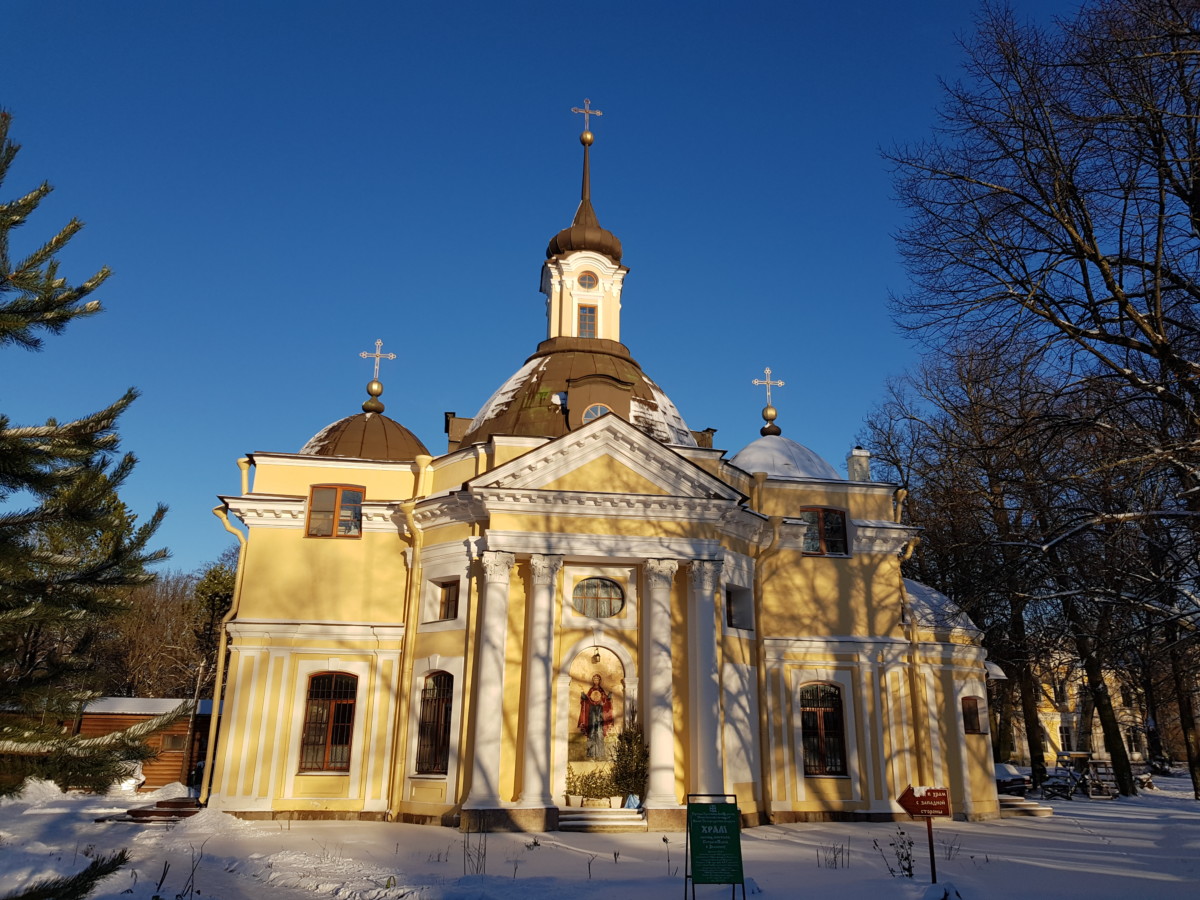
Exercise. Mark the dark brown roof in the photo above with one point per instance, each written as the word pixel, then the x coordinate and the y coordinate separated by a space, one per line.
pixel 585 232
pixel 366 436
pixel 530 402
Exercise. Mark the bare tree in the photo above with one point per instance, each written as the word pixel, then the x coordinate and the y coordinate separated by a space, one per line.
pixel 1056 217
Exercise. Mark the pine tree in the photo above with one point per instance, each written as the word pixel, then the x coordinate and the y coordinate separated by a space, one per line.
pixel 67 542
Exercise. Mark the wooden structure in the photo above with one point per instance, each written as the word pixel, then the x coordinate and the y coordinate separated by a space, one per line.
pixel 173 762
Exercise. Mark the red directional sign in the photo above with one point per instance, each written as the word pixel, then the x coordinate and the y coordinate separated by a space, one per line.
pixel 925 801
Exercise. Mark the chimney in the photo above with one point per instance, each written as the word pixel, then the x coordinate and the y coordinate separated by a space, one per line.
pixel 858 465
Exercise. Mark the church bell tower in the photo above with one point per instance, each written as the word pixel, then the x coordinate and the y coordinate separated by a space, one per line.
pixel 583 275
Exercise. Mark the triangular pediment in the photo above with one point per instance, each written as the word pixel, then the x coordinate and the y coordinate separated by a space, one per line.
pixel 608 456
pixel 607 474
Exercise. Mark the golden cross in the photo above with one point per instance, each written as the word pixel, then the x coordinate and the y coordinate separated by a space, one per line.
pixel 378 356
pixel 769 383
pixel 586 111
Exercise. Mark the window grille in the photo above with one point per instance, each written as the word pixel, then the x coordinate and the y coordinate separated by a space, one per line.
pixel 433 729
pixel 328 723
pixel 823 729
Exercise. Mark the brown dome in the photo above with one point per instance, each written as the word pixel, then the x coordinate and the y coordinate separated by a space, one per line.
pixel 367 435
pixel 548 396
pixel 585 233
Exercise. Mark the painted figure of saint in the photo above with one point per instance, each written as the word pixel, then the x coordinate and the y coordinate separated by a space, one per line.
pixel 595 717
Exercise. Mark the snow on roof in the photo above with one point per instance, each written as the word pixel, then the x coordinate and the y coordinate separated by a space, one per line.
pixel 139 706
pixel 782 457
pixel 507 391
pixel 930 607
pixel 667 415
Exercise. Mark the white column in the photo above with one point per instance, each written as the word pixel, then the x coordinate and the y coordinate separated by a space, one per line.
pixel 704 702
pixel 660 721
pixel 487 705
pixel 539 642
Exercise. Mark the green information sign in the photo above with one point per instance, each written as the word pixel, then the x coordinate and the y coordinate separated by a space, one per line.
pixel 715 834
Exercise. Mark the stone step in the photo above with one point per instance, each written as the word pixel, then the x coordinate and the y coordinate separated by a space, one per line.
pixel 163 812
pixel 1016 807
pixel 601 820
pixel 1038 812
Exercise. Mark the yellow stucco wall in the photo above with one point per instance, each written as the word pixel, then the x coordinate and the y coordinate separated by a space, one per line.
pixel 289 477
pixel 289 576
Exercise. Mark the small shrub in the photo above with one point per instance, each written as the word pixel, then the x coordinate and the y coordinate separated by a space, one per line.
pixel 902 850
pixel 593 785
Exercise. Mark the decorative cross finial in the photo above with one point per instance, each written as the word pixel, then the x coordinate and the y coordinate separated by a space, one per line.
pixel 769 383
pixel 377 356
pixel 586 111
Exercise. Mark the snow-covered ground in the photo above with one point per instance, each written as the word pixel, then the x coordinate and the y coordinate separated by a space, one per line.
pixel 1144 847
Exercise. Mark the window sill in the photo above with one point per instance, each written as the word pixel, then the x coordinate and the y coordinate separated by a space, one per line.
pixel 343 772
pixel 443 625
pixel 836 777
pixel 424 776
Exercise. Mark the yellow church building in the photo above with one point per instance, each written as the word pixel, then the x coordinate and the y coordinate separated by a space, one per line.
pixel 439 638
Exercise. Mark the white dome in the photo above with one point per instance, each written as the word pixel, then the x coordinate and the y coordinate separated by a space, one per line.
pixel 782 457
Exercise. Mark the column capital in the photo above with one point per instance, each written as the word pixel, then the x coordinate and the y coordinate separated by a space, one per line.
pixel 660 572
pixel 705 575
pixel 497 564
pixel 544 567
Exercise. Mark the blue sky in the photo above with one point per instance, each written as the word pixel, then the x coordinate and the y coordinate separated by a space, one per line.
pixel 278 184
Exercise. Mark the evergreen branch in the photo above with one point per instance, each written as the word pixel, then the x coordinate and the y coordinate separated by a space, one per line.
pixel 73 887
pixel 85 746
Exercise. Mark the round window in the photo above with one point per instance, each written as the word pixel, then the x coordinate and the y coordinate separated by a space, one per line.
pixel 598 598
pixel 595 411
pixel 588 281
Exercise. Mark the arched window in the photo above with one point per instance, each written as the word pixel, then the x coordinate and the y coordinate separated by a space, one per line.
pixel 598 598
pixel 823 729
pixel 328 723
pixel 433 729
pixel 595 411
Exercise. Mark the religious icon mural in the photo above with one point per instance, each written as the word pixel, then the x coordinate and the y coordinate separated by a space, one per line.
pixel 595 717
pixel 597 708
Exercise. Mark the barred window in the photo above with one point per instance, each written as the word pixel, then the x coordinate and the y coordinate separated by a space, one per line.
pixel 335 511
pixel 598 598
pixel 433 728
pixel 822 727
pixel 328 723
pixel 826 531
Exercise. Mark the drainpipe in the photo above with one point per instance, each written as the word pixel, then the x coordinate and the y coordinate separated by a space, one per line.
pixel 920 708
pixel 760 676
pixel 222 640
pixel 416 540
